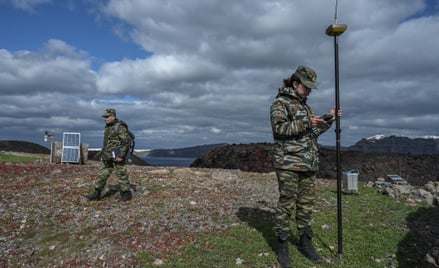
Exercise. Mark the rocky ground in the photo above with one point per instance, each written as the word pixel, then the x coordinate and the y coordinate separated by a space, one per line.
pixel 42 204
pixel 46 222
pixel 416 169
pixel 43 211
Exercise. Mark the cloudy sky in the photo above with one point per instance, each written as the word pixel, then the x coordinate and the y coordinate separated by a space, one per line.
pixel 191 72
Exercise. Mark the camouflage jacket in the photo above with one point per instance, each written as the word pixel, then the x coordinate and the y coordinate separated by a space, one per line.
pixel 113 139
pixel 295 140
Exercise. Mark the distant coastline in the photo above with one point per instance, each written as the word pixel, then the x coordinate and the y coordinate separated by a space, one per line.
pixel 166 161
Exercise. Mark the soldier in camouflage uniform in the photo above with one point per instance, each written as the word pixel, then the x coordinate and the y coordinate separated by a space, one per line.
pixel 113 138
pixel 296 159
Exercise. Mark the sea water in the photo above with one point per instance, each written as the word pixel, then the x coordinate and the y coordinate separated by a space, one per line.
pixel 169 161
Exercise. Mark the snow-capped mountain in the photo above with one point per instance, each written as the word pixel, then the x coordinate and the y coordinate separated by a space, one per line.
pixel 398 144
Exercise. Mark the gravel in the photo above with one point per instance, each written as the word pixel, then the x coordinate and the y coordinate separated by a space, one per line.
pixel 46 221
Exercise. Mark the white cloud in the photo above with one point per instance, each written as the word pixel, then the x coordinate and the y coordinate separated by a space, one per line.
pixel 215 130
pixel 215 67
pixel 155 74
pixel 28 5
pixel 55 69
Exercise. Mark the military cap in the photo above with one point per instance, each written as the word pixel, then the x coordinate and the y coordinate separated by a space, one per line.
pixel 109 112
pixel 307 76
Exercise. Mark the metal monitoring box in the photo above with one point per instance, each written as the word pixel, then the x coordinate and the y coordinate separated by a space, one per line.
pixel 71 151
pixel 350 182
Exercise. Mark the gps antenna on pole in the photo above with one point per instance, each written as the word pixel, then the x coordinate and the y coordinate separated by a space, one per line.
pixel 336 30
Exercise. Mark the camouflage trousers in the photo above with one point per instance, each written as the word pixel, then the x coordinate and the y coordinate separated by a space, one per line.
pixel 296 194
pixel 105 171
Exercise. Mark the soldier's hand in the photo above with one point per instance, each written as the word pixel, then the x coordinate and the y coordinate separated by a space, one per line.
pixel 316 121
pixel 339 113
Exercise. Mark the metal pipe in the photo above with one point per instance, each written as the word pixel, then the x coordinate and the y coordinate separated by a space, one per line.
pixel 338 150
pixel 336 30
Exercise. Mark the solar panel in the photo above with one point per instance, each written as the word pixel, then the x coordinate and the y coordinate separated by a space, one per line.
pixel 71 151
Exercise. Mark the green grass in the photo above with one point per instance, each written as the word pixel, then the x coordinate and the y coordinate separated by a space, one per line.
pixel 8 157
pixel 376 233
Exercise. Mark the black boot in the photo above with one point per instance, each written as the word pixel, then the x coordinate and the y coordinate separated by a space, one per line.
pixel 283 254
pixel 96 195
pixel 307 249
pixel 125 196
